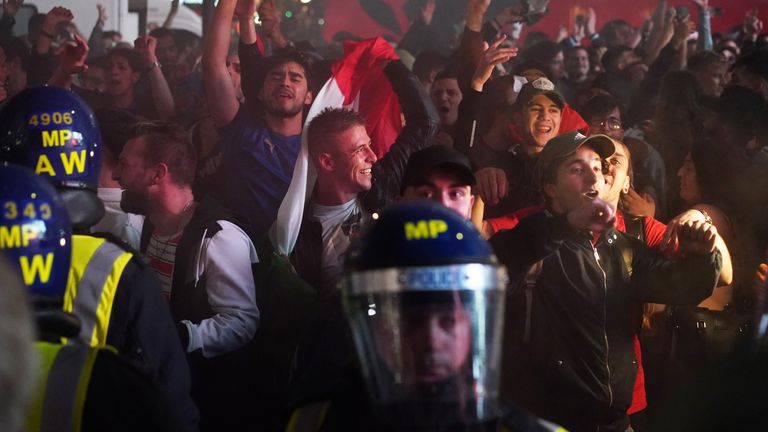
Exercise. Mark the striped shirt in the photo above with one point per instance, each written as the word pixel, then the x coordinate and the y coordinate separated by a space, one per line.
pixel 161 252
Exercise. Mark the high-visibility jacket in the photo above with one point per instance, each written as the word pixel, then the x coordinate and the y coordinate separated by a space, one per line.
pixel 84 389
pixel 119 303
pixel 65 372
pixel 97 265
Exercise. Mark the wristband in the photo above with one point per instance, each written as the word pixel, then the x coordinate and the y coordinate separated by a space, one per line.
pixel 46 34
pixel 153 65
pixel 707 217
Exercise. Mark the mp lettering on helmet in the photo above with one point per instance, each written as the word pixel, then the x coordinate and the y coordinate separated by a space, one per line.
pixel 425 229
pixel 56 134
pixel 71 163
pixel 26 235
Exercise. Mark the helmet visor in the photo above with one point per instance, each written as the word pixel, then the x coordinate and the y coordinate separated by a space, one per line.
pixel 429 339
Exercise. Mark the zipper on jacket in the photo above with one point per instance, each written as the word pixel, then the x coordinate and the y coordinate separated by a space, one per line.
pixel 605 319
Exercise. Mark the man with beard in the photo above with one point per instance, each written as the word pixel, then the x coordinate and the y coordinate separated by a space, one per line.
pixel 259 153
pixel 204 261
pixel 110 289
pixel 579 278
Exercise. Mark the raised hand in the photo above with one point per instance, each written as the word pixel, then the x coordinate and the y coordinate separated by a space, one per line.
pixel 428 11
pixel 476 10
pixel 683 28
pixel 591 21
pixel 492 185
pixel 72 56
pixel 102 18
pixel 270 19
pixel 510 15
pixel 670 239
pixel 246 8
pixel 494 55
pixel 478 6
pixel 145 46
pixel 634 204
pixel 697 237
pixel 703 4
pixel 11 7
pixel 55 17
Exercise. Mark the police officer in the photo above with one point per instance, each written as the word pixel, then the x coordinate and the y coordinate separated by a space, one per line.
pixel 114 294
pixel 79 387
pixel 423 296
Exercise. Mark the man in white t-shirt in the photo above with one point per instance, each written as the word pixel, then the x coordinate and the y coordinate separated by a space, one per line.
pixel 352 183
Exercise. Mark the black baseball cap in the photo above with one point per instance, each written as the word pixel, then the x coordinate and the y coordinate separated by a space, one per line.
pixel 537 87
pixel 422 162
pixel 566 144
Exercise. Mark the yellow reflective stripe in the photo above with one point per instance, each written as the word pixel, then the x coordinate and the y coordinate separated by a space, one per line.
pixel 82 390
pixel 104 311
pixel 83 248
pixel 308 418
pixel 88 268
pixel 46 355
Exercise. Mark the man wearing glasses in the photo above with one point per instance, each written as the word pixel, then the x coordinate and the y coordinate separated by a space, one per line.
pixel 603 113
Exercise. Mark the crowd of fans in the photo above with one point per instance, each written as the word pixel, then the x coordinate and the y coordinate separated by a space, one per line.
pixel 201 137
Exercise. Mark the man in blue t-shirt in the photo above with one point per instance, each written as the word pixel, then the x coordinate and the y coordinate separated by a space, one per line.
pixel 259 152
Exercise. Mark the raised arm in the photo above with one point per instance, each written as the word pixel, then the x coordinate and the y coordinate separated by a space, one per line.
pixel 161 92
pixel 42 61
pixel 219 90
pixel 95 41
pixel 421 124
pixel 419 36
pixel 171 14
pixel 72 57
pixel 705 27
pixel 10 8
pixel 539 235
pixel 471 44
pixel 249 51
pixel 270 23
pixel 466 125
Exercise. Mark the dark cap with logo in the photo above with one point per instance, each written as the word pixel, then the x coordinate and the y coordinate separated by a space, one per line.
pixel 422 162
pixel 565 145
pixel 537 87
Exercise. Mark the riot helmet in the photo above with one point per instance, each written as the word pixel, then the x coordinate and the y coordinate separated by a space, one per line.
pixel 55 133
pixel 423 294
pixel 35 232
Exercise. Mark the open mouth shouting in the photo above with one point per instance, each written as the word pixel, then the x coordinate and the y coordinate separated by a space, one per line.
pixel 591 194
pixel 366 171
pixel 284 95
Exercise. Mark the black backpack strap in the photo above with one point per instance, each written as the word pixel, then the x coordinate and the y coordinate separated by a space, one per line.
pixel 635 227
